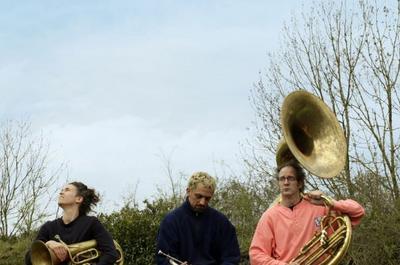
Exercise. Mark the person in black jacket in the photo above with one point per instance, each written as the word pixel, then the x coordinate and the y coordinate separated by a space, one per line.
pixel 195 233
pixel 75 226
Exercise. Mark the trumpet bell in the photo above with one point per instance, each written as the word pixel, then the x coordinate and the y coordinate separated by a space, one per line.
pixel 312 135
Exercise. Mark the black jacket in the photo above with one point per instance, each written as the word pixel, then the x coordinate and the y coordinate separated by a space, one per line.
pixel 83 228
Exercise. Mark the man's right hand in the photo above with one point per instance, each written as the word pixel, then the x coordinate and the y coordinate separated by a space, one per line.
pixel 59 249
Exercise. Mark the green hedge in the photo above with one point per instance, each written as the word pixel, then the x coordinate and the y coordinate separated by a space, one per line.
pixel 12 251
pixel 136 230
pixel 375 240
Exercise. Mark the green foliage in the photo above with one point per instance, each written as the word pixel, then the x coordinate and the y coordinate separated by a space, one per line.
pixel 377 237
pixel 236 201
pixel 12 251
pixel 136 230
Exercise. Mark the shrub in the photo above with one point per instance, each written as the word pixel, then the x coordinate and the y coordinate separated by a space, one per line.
pixel 136 230
pixel 12 251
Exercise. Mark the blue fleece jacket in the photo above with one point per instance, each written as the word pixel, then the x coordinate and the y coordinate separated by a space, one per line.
pixel 206 238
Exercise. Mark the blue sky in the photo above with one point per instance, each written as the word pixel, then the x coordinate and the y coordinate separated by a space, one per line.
pixel 114 84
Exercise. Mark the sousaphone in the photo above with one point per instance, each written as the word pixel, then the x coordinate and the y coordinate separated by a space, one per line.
pixel 313 136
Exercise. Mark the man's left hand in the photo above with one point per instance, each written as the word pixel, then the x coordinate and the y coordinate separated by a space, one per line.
pixel 314 197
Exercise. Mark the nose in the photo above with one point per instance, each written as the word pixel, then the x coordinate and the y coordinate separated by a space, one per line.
pixel 203 201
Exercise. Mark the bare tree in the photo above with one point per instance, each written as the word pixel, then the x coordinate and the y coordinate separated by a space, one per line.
pixel 25 180
pixel 349 56
pixel 177 181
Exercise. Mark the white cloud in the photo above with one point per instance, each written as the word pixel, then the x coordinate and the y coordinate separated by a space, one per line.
pixel 114 85
pixel 111 155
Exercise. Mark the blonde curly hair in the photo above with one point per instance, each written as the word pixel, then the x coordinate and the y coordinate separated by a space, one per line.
pixel 201 178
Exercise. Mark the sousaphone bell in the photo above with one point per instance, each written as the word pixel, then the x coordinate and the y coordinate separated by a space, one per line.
pixel 311 135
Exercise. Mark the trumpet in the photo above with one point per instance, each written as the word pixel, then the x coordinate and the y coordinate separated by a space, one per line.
pixel 172 260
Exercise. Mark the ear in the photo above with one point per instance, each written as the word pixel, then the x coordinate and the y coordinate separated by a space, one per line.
pixel 187 191
pixel 79 199
pixel 301 185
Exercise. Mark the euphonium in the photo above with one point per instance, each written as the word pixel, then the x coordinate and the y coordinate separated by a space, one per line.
pixel 81 253
pixel 313 137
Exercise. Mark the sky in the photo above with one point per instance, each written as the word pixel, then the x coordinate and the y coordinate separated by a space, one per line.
pixel 119 87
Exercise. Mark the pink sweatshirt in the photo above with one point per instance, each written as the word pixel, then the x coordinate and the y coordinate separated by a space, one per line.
pixel 282 232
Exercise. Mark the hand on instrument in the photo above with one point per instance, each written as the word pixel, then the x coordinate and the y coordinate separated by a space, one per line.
pixel 293 263
pixel 176 263
pixel 58 248
pixel 315 198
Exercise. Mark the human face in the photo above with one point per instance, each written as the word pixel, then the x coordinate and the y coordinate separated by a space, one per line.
pixel 69 196
pixel 199 197
pixel 288 184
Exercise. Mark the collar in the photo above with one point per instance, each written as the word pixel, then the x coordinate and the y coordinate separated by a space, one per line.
pixel 70 223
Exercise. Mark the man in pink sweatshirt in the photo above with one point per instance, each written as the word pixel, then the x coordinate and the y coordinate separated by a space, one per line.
pixel 288 225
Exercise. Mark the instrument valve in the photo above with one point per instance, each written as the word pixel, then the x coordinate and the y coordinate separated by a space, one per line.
pixel 324 238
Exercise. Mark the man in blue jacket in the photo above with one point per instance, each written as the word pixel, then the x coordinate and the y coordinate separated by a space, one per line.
pixel 195 233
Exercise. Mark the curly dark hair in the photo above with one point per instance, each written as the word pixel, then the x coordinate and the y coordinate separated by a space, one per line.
pixel 300 174
pixel 90 197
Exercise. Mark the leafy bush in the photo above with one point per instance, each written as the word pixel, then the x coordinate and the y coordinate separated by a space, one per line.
pixel 237 203
pixel 136 230
pixel 377 237
pixel 12 251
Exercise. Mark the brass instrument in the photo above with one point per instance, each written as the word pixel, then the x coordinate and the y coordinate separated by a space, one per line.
pixel 313 137
pixel 171 260
pixel 82 253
